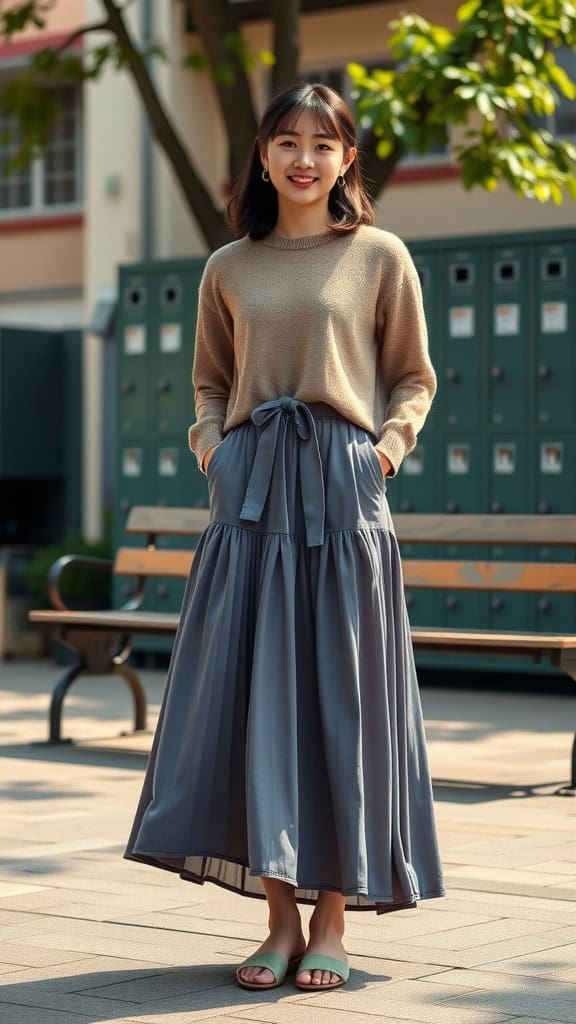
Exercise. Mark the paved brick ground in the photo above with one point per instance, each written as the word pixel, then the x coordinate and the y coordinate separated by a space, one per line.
pixel 88 937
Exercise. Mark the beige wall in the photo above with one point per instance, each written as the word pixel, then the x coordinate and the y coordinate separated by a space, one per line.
pixel 41 258
pixel 62 16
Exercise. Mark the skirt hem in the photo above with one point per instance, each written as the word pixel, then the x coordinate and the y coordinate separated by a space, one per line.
pixel 373 902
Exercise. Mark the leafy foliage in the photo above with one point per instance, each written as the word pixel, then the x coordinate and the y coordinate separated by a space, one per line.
pixel 497 76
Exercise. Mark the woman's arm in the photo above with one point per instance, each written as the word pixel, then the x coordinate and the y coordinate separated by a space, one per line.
pixel 407 372
pixel 213 369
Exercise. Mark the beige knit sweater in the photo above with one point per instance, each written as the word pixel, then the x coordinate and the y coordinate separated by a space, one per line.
pixel 324 318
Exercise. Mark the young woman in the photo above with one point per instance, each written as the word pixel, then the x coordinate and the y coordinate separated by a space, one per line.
pixel 289 759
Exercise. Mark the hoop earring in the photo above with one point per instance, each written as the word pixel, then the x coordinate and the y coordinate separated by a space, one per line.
pixel 265 175
pixel 341 180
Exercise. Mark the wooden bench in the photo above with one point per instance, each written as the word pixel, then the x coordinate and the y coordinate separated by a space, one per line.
pixel 103 639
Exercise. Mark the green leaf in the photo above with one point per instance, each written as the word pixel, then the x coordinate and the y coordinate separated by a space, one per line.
pixel 542 192
pixel 467 11
pixel 384 147
pixel 565 84
pixel 484 105
pixel 267 57
pixel 196 61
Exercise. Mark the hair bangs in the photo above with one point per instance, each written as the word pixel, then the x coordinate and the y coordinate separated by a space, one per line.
pixel 313 103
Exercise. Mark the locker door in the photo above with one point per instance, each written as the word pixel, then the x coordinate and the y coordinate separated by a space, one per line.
pixel 174 325
pixel 463 406
pixel 555 493
pixel 135 486
pixel 509 333
pixel 555 370
pixel 134 353
pixel 419 489
pixel 511 488
pixel 464 490
pixel 429 267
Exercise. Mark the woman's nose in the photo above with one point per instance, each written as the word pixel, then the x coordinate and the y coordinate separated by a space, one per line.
pixel 304 160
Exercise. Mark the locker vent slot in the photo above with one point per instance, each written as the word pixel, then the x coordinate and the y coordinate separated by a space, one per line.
pixel 507 272
pixel 553 269
pixel 461 273
pixel 135 297
pixel 171 295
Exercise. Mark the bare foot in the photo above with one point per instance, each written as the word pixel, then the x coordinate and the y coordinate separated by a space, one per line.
pixel 325 938
pixel 285 937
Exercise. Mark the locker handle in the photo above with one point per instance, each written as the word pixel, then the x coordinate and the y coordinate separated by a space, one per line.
pixel 128 387
pixel 497 373
pixel 451 506
pixel 125 505
pixel 496 506
pixel 162 591
pixel 543 507
pixel 543 604
pixel 543 372
pixel 451 373
pixel 409 600
pixel 451 602
pixel 163 385
pixel 406 505
pixel 497 604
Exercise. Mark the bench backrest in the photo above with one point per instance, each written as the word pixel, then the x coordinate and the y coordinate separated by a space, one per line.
pixel 557 531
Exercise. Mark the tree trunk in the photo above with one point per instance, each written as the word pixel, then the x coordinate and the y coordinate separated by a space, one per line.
pixel 215 22
pixel 285 18
pixel 211 221
pixel 375 170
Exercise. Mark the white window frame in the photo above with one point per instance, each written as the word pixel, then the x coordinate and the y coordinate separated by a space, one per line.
pixel 37 207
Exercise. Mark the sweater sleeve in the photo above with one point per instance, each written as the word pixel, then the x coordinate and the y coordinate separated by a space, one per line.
pixel 213 369
pixel 407 372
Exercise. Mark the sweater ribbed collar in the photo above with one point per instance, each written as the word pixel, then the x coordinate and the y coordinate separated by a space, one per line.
pixel 303 242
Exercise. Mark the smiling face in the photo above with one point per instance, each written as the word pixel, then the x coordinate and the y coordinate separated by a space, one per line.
pixel 304 160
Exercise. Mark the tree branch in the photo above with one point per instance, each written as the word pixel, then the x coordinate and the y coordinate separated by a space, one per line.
pixel 102 26
pixel 211 221
pixel 376 171
pixel 216 22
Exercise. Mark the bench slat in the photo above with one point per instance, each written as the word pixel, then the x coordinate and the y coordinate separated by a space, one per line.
pixel 559 577
pixel 134 622
pixel 553 530
pixel 152 562
pixel 175 522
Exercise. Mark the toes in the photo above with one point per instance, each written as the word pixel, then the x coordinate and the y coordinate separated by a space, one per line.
pixel 304 978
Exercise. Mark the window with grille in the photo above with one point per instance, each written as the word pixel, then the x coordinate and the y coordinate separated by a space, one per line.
pixel 53 181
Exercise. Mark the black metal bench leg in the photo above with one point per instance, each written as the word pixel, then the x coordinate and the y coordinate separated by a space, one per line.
pixel 138 695
pixel 56 703
pixel 571 789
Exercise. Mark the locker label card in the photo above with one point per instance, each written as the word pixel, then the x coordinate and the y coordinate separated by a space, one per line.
pixel 171 338
pixel 507 319
pixel 462 322
pixel 458 459
pixel 551 457
pixel 413 464
pixel 132 462
pixel 168 462
pixel 504 459
pixel 554 316
pixel 135 340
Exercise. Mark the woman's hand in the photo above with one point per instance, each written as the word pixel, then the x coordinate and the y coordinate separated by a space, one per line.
pixel 384 462
pixel 207 456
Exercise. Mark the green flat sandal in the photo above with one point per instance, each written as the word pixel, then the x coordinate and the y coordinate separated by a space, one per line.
pixel 318 962
pixel 275 962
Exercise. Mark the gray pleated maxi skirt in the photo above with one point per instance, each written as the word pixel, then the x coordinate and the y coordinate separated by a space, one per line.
pixel 290 742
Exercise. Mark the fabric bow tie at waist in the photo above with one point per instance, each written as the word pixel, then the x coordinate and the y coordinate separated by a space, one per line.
pixel 268 417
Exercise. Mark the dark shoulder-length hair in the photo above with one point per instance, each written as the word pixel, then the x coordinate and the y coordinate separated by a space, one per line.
pixel 253 208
